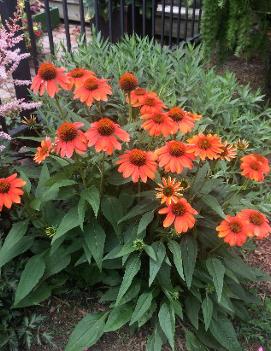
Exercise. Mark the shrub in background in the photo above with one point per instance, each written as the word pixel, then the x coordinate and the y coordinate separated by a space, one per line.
pixel 235 26
pixel 112 152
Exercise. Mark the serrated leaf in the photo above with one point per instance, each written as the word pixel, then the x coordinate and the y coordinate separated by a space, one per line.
pixel 160 250
pixel 94 237
pixel 213 204
pixel 92 196
pixel 189 251
pixel 31 275
pixel 15 243
pixel 145 221
pixel 118 317
pixel 192 343
pixel 175 249
pixel 223 331
pixel 192 308
pixel 87 332
pixel 69 222
pixel 142 306
pixel 155 342
pixel 217 270
pixel 113 212
pixel 207 311
pixel 132 268
pixel 150 252
pixel 167 323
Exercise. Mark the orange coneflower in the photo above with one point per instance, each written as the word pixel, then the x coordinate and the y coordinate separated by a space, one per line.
pixel 92 89
pixel 157 123
pixel 128 82
pixel 241 144
pixel 181 213
pixel 43 151
pixel 77 76
pixel 151 103
pixel 10 191
pixel 104 135
pixel 194 116
pixel 228 153
pixel 175 156
pixel 169 191
pixel 182 120
pixel 138 164
pixel 255 167
pixel 206 146
pixel 70 139
pixel 233 230
pixel 258 223
pixel 49 78
pixel 136 97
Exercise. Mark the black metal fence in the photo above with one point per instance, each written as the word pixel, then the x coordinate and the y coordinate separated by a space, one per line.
pixel 167 21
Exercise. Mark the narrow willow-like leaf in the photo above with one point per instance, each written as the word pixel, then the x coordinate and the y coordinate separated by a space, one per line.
pixel 175 249
pixel 207 311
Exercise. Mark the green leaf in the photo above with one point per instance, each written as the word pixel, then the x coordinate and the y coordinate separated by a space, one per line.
pixel 207 311
pixel 155 265
pixel 213 204
pixel 118 317
pixel 113 212
pixel 217 270
pixel 142 306
pixel 15 243
pixel 175 249
pixel 92 196
pixel 199 178
pixel 150 252
pixel 192 343
pixel 145 221
pixel 94 237
pixel 167 323
pixel 69 222
pixel 192 307
pixel 132 268
pixel 56 261
pixel 138 210
pixel 39 294
pixel 81 212
pixel 120 251
pixel 155 342
pixel 223 331
pixel 87 332
pixel 31 275
pixel 189 251
pixel 43 178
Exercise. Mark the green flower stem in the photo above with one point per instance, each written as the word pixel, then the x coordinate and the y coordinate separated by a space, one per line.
pixel 130 108
pixel 138 190
pixel 101 169
pixel 63 116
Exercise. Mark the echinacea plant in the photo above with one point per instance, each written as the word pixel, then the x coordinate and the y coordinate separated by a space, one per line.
pixel 141 202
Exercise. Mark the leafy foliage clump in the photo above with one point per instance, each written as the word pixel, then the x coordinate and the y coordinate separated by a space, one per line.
pixel 237 26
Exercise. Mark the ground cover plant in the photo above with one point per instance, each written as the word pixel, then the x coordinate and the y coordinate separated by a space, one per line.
pixel 143 186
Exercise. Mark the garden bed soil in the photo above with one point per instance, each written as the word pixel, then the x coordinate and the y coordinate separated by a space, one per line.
pixel 252 71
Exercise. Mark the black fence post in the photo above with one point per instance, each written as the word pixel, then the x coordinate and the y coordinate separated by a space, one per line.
pixel 7 9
